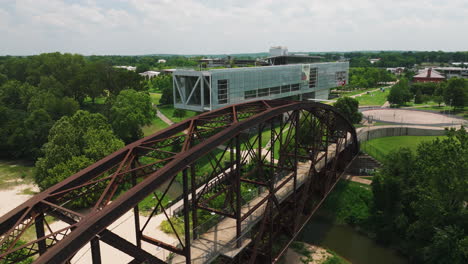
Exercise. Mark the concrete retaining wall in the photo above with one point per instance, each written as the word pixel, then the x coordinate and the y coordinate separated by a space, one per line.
pixel 365 134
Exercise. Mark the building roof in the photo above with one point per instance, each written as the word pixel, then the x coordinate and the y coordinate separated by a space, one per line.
pixel 150 73
pixel 429 73
pixel 130 68
pixel 450 69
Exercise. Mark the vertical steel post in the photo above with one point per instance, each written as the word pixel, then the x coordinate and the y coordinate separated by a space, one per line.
pixel 296 147
pixel 272 147
pixel 259 145
pixel 271 231
pixel 95 251
pixel 193 187
pixel 186 216
pixel 202 90
pixel 327 134
pixel 280 136
pixel 238 192
pixel 136 211
pixel 39 223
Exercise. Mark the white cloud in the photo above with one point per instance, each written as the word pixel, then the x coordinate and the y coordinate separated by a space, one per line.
pixel 228 26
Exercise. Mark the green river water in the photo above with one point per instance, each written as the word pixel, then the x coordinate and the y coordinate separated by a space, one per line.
pixel 347 243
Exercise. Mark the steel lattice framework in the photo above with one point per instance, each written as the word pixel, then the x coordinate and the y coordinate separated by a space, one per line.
pixel 261 168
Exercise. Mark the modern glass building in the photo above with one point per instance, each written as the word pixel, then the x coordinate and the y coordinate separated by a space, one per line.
pixel 212 89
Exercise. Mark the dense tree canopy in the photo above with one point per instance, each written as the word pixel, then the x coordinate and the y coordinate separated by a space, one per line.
pixel 163 84
pixel 129 112
pixel 349 107
pixel 420 200
pixel 368 77
pixel 456 92
pixel 74 143
pixel 400 93
pixel 36 91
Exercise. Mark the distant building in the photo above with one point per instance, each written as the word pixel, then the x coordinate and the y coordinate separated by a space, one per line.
pixel 292 59
pixel 459 63
pixel 129 68
pixel 168 71
pixel 214 62
pixel 149 74
pixel 428 75
pixel 278 51
pixel 450 72
pixel 216 88
pixel 161 61
pixel 228 62
pixel 397 70
pixel 372 61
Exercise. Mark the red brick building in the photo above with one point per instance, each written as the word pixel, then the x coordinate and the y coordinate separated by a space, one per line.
pixel 428 75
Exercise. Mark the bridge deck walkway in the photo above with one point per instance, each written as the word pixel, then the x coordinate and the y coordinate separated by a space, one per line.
pixel 221 238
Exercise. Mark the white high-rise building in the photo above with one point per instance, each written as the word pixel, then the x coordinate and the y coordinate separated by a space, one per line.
pixel 278 51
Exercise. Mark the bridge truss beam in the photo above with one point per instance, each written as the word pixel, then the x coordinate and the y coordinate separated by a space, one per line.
pixel 267 165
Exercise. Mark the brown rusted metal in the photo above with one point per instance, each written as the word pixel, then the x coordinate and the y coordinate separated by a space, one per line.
pixel 121 180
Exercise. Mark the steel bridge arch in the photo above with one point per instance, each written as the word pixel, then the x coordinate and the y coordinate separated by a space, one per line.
pixel 196 137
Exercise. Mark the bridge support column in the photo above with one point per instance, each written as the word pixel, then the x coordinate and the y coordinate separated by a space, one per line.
pixel 136 212
pixel 39 223
pixel 186 217
pixel 193 185
pixel 238 192
pixel 296 147
pixel 95 251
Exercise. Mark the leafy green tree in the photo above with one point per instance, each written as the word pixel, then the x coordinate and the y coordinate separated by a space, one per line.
pixel 179 113
pixel 51 85
pixel 121 79
pixel 74 143
pixel 29 138
pixel 400 93
pixel 3 79
pixel 367 77
pixel 56 107
pixel 142 67
pixel 349 107
pixel 438 99
pixel 420 200
pixel 16 95
pixel 163 84
pixel 418 98
pixel 456 93
pixel 130 111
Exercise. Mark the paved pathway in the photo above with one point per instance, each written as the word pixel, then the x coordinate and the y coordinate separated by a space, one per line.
pixel 356 95
pixel 164 118
pixel 386 104
pixel 358 179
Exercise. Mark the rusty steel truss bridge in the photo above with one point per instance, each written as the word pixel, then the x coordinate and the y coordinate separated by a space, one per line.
pixel 250 176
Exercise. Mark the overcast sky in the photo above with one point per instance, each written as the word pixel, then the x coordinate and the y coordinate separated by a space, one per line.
pixel 230 26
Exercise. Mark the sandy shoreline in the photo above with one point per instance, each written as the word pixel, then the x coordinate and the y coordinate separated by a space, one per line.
pixel 12 197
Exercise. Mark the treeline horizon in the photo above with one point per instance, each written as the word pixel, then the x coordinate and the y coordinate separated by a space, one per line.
pixel 248 54
pixel 406 59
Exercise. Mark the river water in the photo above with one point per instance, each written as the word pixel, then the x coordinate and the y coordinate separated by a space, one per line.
pixel 347 243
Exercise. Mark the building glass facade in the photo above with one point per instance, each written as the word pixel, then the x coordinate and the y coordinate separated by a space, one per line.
pixel 209 90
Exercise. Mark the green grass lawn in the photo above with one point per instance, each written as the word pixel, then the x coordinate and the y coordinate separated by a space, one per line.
pixel 380 147
pixel 354 92
pixel 155 97
pixel 168 110
pixel 15 172
pixel 376 98
pixel 156 125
